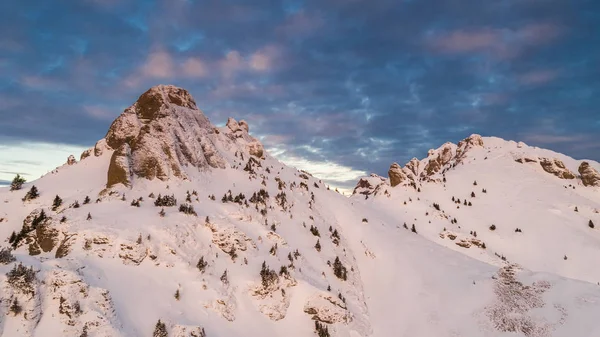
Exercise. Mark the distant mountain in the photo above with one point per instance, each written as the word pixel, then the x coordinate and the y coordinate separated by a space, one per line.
pixel 171 226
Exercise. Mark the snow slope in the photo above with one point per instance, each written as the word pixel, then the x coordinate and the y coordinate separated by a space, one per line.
pixel 112 268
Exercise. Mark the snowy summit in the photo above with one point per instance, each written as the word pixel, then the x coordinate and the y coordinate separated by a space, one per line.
pixel 171 226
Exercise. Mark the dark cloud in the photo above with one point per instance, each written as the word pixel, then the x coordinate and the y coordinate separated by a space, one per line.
pixel 4 182
pixel 358 83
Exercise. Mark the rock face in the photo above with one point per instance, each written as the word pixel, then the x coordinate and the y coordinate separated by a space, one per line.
pixel 71 160
pixel 163 134
pixel 556 167
pixel 444 155
pixel 396 175
pixel 589 176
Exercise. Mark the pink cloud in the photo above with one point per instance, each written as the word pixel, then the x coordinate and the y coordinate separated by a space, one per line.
pixel 41 83
pixel 539 33
pixel 194 67
pixel 499 43
pixel 461 41
pixel 552 139
pixel 300 24
pixel 265 58
pixel 99 112
pixel 538 77
pixel 159 64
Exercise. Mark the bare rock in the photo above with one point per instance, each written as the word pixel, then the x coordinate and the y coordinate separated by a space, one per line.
pixel 444 155
pixel 471 141
pixel 71 160
pixel 119 169
pixel 158 136
pixel 396 174
pixel 327 309
pixel 589 176
pixel 101 147
pixel 256 149
pixel 413 166
pixel 244 125
pixel 556 167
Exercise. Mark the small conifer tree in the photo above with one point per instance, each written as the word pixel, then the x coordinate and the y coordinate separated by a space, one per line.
pixel 160 330
pixel 17 183
pixel 56 203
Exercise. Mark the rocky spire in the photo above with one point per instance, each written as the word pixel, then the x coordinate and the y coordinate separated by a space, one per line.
pixel 164 133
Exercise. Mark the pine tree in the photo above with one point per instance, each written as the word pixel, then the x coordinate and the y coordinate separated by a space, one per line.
pixel 89 216
pixel 17 183
pixel 31 194
pixel 86 200
pixel 56 203
pixel 591 224
pixel 339 269
pixel 13 237
pixel 413 229
pixel 201 265
pixel 318 246
pixel 15 307
pixel 224 277
pixel 160 330
pixel 177 295
pixel 472 194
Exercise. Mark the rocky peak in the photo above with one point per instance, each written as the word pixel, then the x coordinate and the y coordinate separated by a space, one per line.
pixel 396 175
pixel 471 141
pixel 589 176
pixel 163 134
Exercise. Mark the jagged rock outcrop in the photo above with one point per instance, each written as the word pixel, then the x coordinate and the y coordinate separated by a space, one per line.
pixel 396 175
pixel 413 166
pixel 589 176
pixel 444 155
pixel 163 134
pixel 71 160
pixel 371 185
pixel 471 141
pixel 327 309
pixel 556 167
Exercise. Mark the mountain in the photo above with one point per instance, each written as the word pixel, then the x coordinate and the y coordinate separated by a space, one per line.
pixel 172 226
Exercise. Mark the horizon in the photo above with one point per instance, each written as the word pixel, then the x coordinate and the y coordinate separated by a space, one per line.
pixel 340 89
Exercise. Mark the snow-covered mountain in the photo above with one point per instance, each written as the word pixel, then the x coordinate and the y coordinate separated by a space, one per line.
pixel 172 226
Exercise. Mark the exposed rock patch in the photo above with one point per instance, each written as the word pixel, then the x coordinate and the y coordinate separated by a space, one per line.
pixel 327 309
pixel 396 175
pixel 556 167
pixel 589 176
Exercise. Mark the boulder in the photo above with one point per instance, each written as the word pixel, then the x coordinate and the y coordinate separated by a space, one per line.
pixel 589 176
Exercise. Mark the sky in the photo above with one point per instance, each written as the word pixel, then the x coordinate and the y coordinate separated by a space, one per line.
pixel 341 88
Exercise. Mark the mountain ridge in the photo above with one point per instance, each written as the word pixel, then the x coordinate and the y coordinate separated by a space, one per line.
pixel 254 247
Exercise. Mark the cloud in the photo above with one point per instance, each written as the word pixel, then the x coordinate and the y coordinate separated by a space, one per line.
pixel 539 33
pixel 158 65
pixel 499 43
pixel 537 77
pixel 231 63
pixel 99 112
pixel 194 67
pixel 553 139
